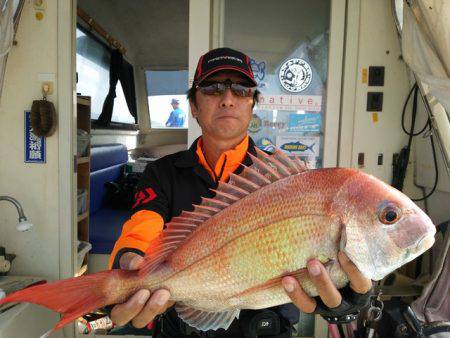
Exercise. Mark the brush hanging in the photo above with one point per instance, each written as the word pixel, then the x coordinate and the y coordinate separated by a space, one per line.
pixel 43 117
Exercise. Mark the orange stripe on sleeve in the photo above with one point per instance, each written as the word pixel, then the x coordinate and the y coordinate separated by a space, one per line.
pixel 138 232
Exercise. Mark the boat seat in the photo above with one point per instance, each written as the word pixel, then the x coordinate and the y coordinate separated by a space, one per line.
pixel 105 225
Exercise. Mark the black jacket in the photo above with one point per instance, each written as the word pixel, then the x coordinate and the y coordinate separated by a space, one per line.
pixel 170 185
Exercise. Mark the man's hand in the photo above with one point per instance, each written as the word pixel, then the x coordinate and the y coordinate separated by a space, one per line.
pixel 330 296
pixel 142 307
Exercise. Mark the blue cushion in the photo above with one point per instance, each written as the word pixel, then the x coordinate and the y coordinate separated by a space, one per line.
pixel 108 155
pixel 105 227
pixel 107 161
pixel 98 191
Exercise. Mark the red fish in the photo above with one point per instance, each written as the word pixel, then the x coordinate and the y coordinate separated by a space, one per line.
pixel 230 252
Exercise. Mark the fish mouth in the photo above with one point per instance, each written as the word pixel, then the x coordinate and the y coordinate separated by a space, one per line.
pixel 422 245
pixel 415 250
pixel 425 243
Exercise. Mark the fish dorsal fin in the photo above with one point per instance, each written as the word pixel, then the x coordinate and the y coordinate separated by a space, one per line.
pixel 265 170
pixel 243 183
pixel 253 174
pixel 205 321
pixel 216 203
pixel 295 165
pixel 274 163
pixel 196 215
pixel 176 232
pixel 231 190
pixel 206 210
pixel 186 220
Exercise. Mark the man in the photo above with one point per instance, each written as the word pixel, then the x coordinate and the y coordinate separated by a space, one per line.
pixel 176 118
pixel 222 98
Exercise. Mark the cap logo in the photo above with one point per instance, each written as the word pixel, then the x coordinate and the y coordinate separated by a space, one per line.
pixel 224 57
pixel 295 75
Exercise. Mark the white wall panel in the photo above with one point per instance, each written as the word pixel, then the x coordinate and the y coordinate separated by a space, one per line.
pixel 34 185
pixel 199 43
pixel 377 45
pixel 371 40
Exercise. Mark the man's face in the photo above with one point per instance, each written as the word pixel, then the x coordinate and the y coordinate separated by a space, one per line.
pixel 225 116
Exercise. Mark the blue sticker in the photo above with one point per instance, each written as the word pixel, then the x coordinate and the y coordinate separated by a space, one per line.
pixel 297 147
pixel 305 122
pixel 265 144
pixel 34 145
pixel 259 69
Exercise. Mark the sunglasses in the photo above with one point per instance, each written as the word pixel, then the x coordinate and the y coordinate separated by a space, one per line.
pixel 218 88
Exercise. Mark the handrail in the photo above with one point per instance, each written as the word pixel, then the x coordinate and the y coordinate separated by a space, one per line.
pixel 99 29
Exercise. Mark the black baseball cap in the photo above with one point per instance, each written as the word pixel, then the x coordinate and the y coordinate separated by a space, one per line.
pixel 223 59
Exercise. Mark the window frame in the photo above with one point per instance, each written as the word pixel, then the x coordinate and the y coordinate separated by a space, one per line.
pixel 113 125
pixel 165 68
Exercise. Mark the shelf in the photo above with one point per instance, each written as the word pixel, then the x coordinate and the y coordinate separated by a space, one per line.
pixel 81 160
pixel 84 159
pixel 83 216
pixel 84 101
pixel 82 169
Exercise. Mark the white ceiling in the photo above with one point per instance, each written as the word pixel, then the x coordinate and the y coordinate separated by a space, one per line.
pixel 154 32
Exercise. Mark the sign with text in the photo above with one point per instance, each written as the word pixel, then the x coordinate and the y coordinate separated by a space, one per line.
pixel 299 145
pixel 305 122
pixel 34 145
pixel 291 102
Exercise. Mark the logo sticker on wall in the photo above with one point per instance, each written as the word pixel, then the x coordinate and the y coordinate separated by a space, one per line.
pixel 299 145
pixel 266 144
pixel 255 124
pixel 305 122
pixel 295 75
pixel 290 102
pixel 259 69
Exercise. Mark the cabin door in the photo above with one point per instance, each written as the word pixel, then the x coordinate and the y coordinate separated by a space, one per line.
pixel 296 51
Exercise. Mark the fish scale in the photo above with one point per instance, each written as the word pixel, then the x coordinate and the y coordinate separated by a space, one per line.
pixel 242 217
pixel 231 252
pixel 254 258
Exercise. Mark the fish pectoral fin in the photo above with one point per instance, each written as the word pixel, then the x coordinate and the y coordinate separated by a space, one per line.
pixel 205 321
pixel 298 274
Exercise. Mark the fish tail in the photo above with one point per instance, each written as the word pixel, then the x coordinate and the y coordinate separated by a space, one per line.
pixel 72 297
pixel 311 147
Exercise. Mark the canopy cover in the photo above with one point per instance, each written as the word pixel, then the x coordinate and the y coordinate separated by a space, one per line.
pixel 426 50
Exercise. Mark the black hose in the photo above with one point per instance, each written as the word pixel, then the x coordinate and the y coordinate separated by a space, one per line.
pixel 436 172
pixel 401 162
pixel 414 89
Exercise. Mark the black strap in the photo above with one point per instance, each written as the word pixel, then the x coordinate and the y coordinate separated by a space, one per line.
pixel 348 310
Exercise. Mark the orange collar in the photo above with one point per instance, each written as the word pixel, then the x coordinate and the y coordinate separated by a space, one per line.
pixel 228 161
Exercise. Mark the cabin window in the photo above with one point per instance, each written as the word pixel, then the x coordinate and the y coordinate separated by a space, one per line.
pixel 93 63
pixel 167 100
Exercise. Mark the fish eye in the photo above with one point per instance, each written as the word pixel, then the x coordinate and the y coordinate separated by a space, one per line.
pixel 390 214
